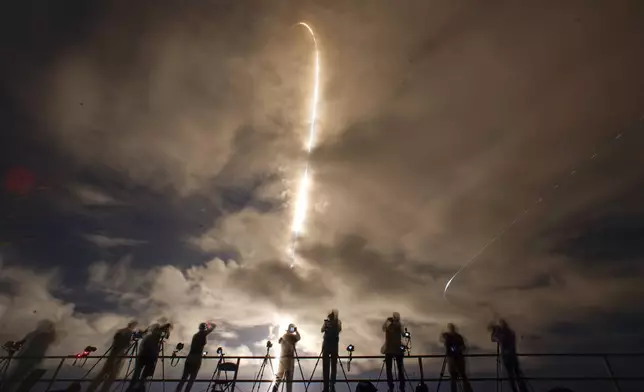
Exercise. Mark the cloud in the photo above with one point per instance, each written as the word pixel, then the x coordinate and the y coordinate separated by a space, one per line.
pixel 439 125
pixel 93 196
pixel 103 241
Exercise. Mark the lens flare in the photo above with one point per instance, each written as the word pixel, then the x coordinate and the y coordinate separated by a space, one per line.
pixel 303 191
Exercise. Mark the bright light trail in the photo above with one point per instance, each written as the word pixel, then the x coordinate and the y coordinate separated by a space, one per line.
pixel 302 198
pixel 536 202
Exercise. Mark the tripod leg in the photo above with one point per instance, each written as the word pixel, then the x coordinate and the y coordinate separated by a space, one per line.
pixel 411 387
pixel 97 362
pixel 382 368
pixel 260 374
pixel 440 378
pixel 131 352
pixel 297 357
pixel 345 374
pixel 313 372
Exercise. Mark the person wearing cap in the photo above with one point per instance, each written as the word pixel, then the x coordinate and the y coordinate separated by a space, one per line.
pixel 115 358
pixel 193 360
pixel 331 329
pixel 393 350
pixel 286 366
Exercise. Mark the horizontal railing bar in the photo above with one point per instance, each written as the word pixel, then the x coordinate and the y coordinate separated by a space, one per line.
pixel 441 356
pixel 356 380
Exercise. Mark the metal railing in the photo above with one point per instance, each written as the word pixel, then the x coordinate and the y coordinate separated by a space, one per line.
pixel 64 372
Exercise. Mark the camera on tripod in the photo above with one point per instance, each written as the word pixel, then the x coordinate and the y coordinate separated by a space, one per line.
pixel 137 335
pixel 220 351
pixel 86 352
pixel 11 347
pixel 165 330
pixel 269 344
pixel 406 334
pixel 350 348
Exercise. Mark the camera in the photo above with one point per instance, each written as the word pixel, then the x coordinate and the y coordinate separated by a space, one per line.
pixel 85 353
pixel 350 348
pixel 11 346
pixel 179 347
pixel 220 351
pixel 136 335
pixel 406 334
pixel 269 344
pixel 205 353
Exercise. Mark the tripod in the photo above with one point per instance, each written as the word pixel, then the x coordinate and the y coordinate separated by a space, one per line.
pixel 4 366
pixel 262 367
pixel 217 372
pixel 440 379
pixel 395 371
pixel 289 377
pixel 132 352
pixel 316 365
pixel 96 364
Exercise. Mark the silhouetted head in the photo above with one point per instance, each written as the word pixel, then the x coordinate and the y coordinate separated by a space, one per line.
pixel 132 324
pixel 291 328
pixel 203 326
pixel 396 316
pixel 503 324
pixel 45 326
pixel 333 315
pixel 451 328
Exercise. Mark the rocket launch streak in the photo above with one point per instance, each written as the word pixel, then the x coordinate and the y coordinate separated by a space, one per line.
pixel 302 198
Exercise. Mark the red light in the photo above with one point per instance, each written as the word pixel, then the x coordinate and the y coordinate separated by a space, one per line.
pixel 19 180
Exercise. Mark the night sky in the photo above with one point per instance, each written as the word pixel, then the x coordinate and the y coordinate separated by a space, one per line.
pixel 150 152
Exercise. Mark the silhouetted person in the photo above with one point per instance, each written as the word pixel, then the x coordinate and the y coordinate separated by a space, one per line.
pixel 286 366
pixel 148 354
pixel 331 339
pixel 455 357
pixel 193 359
pixel 505 337
pixel 32 352
pixel 115 358
pixel 393 350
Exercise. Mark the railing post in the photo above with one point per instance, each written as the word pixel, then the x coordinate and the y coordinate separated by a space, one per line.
pixel 232 389
pixel 610 373
pixel 53 378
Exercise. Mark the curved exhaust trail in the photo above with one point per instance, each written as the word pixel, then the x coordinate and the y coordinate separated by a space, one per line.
pixel 302 198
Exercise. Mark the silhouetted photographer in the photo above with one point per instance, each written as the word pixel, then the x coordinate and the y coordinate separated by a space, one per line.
pixel 115 358
pixel 331 339
pixel 286 366
pixel 455 356
pixel 193 360
pixel 505 337
pixel 394 350
pixel 146 360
